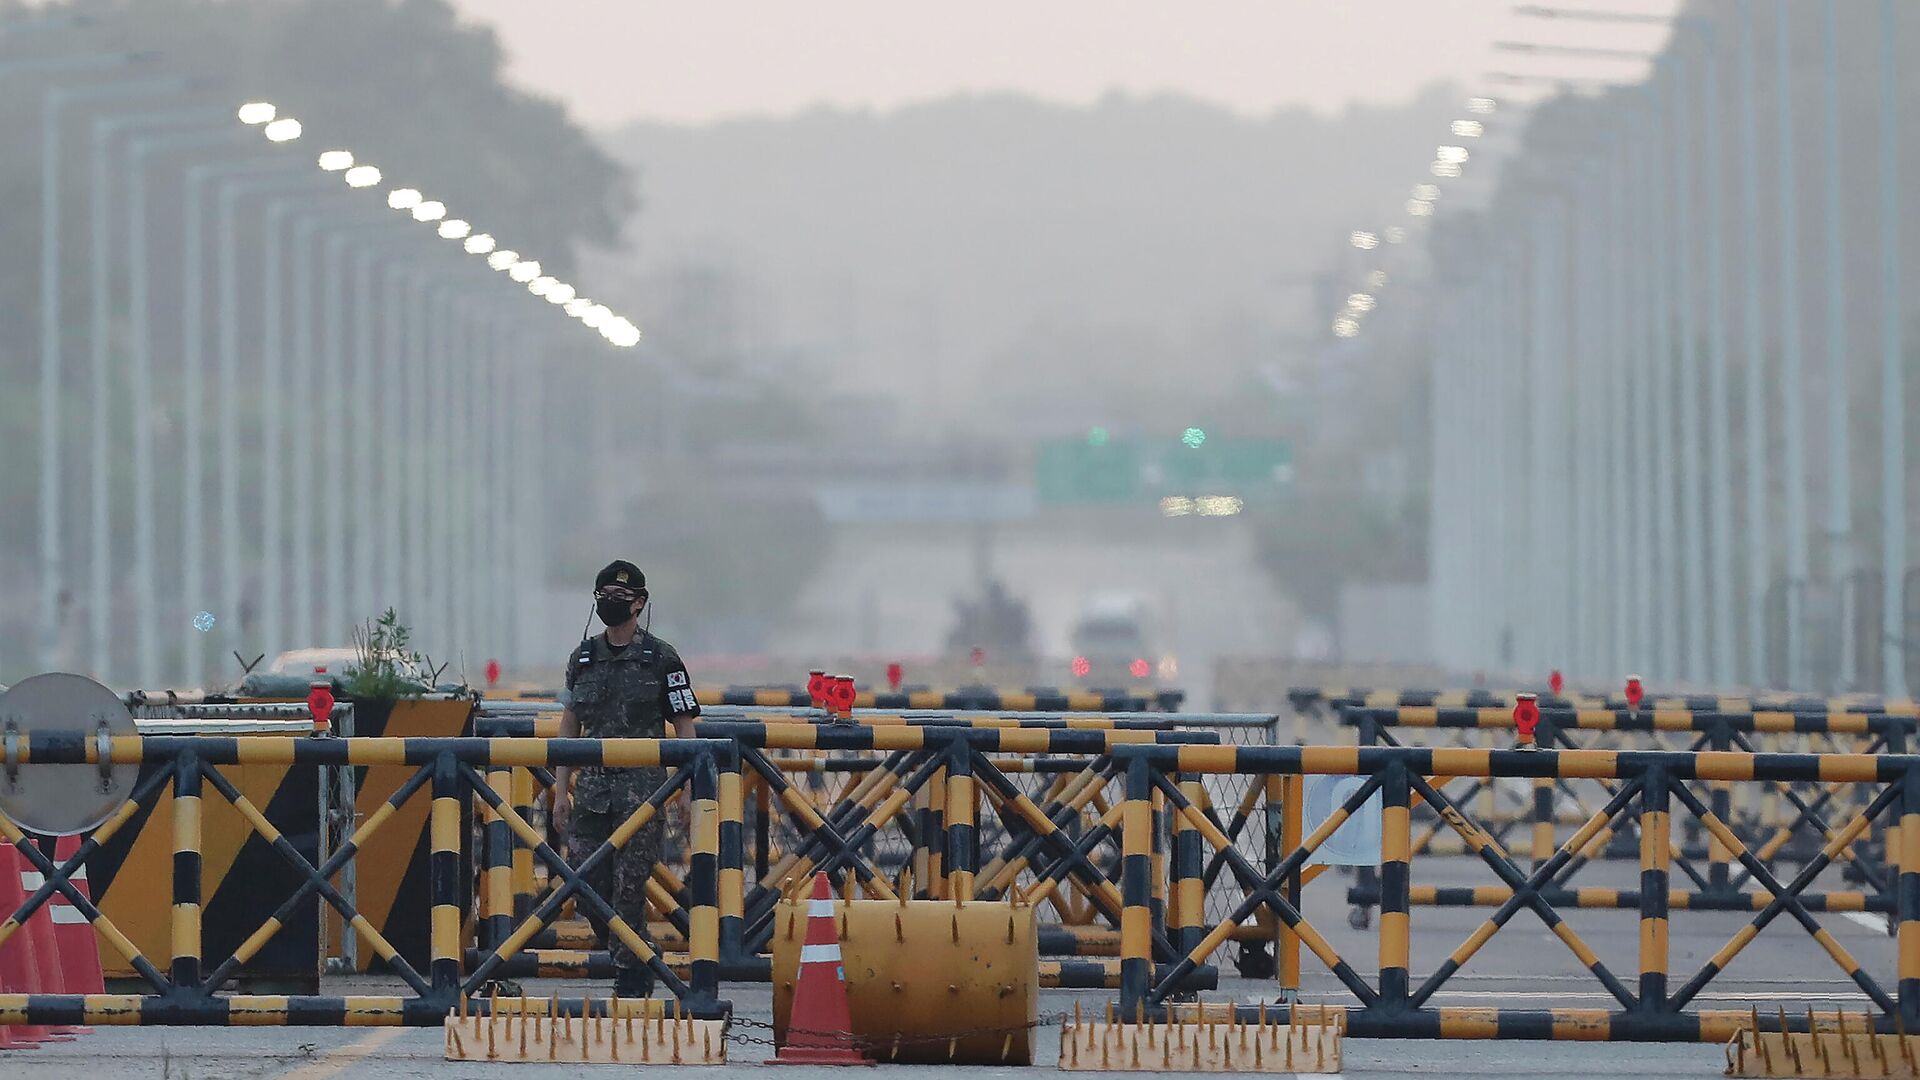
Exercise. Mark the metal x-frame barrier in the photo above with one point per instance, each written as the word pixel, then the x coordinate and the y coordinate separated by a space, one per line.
pixel 1794 836
pixel 1645 784
pixel 452 771
pixel 1165 944
pixel 929 781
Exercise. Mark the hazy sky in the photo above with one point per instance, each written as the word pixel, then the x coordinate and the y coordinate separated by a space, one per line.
pixel 698 60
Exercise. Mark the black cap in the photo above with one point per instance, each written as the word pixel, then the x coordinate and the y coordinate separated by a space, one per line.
pixel 623 573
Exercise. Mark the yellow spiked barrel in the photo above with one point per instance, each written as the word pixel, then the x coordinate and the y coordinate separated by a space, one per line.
pixel 928 981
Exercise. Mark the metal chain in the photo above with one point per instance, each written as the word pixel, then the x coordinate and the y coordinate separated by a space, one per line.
pixel 861 1042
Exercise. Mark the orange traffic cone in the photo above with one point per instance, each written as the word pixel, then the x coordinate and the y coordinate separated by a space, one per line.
pixel 46 947
pixel 19 954
pixel 820 1025
pixel 73 935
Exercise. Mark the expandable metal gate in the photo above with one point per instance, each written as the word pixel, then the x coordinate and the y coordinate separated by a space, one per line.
pixel 1159 962
pixel 1646 784
pixel 1716 887
pixel 188 993
pixel 957 764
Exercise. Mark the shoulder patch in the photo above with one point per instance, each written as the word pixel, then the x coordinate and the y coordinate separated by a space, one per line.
pixel 676 678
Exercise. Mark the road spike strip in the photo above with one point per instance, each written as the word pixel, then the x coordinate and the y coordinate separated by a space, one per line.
pixel 1199 1038
pixel 1784 1052
pixel 606 1034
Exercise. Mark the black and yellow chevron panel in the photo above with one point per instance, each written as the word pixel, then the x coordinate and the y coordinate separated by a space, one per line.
pixel 391 887
pixel 242 878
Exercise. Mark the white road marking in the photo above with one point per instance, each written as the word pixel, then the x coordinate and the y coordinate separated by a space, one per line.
pixel 1871 920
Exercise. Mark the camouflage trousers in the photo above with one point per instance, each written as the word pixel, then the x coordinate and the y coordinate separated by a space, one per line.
pixel 622 879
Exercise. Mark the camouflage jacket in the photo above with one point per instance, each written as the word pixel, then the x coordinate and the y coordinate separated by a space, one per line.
pixel 629 694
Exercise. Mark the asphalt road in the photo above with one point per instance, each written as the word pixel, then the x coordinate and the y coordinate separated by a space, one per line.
pixel 1522 967
pixel 216 1054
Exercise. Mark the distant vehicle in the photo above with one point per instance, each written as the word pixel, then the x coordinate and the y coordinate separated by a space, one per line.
pixel 1110 646
pixel 303 661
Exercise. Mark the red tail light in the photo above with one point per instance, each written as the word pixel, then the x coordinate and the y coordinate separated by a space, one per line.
pixel 1082 667
pixel 1140 669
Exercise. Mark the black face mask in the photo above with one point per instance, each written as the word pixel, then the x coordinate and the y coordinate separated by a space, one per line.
pixel 612 610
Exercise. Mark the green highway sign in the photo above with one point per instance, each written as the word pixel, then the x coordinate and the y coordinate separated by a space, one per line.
pixel 1115 469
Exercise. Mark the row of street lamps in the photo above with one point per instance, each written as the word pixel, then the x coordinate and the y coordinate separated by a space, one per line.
pixel 616 329
pixel 1585 517
pixel 338 414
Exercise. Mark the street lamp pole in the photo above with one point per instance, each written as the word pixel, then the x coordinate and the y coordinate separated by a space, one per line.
pixel 1667 645
pixel 1695 595
pixel 1621 345
pixel 417 391
pixel 1719 390
pixel 336 384
pixel 1839 478
pixel 1754 419
pixel 1792 380
pixel 439 471
pixel 303 386
pixel 1893 389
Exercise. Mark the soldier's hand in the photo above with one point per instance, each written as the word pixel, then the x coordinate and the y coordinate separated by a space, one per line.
pixel 562 815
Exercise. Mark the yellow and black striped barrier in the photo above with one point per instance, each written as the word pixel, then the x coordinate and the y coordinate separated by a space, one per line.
pixel 1785 814
pixel 1309 698
pixel 548 726
pixel 390 876
pixel 947 763
pixel 452 771
pixel 970 699
pixel 1629 899
pixel 1651 786
pixel 973 699
pixel 947 791
pixel 1754 722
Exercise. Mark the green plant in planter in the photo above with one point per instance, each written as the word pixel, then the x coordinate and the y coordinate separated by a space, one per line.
pixel 387 667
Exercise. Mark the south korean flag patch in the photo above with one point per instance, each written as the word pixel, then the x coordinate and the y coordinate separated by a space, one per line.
pixel 676 678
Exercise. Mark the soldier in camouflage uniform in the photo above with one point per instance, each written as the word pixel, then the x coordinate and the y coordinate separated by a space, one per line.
pixel 624 683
